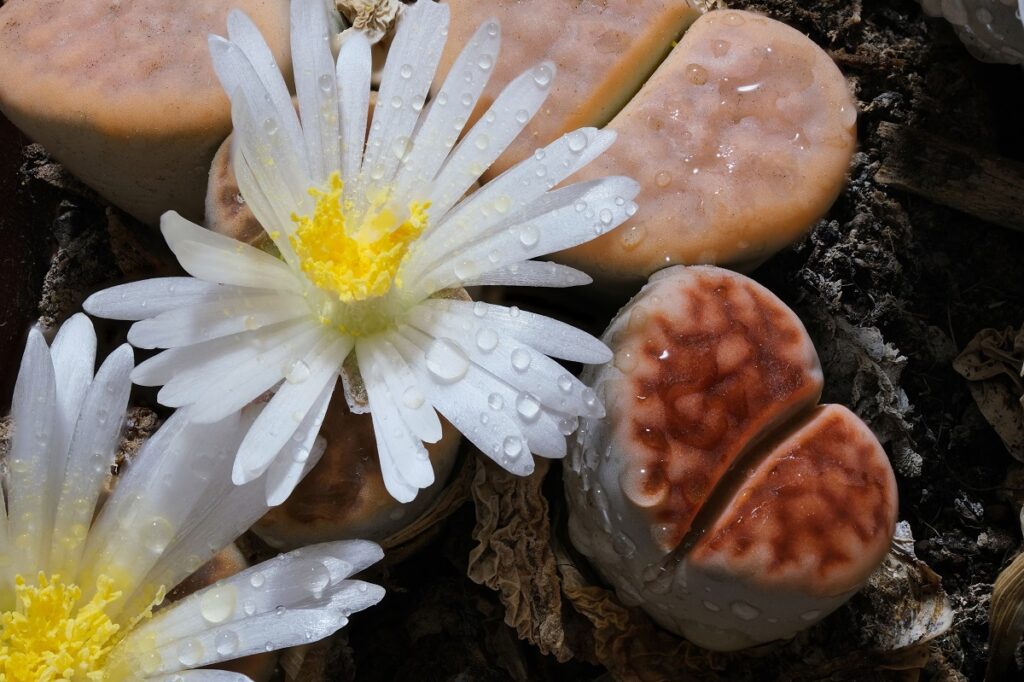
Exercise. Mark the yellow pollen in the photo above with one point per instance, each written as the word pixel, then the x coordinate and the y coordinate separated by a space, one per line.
pixel 355 262
pixel 49 636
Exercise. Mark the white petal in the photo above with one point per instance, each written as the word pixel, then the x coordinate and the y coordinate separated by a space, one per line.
pixel 92 453
pixel 404 386
pixel 353 76
pixel 557 221
pixel 34 413
pixel 531 273
pixel 222 394
pixel 74 359
pixel 150 297
pixel 491 136
pixel 448 113
pixel 514 362
pixel 315 87
pixel 298 457
pixel 290 405
pixel 408 72
pixel 405 465
pixel 544 334
pixel 294 599
pixel 189 325
pixel 216 258
pixel 464 404
pixel 201 675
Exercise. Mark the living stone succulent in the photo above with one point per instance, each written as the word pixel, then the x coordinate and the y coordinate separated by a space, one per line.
pixel 123 93
pixel 741 141
pixel 716 494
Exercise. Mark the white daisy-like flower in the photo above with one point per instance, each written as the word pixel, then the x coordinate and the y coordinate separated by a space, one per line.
pixel 368 237
pixel 81 591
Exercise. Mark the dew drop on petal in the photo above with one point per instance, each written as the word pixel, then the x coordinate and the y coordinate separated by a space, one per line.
pixel 413 398
pixel 405 71
pixel 446 360
pixel 270 126
pixel 521 359
pixel 157 534
pixel 318 579
pixel 522 116
pixel 479 308
pixel 577 141
pixel 326 82
pixel 190 652
pixel 296 372
pixel 486 339
pixel 512 446
pixel 529 235
pixel 495 401
pixel 226 642
pixel 257 579
pixel 218 603
pixel 565 383
pixel 542 75
pixel 527 406
pixel 606 216
pixel 485 62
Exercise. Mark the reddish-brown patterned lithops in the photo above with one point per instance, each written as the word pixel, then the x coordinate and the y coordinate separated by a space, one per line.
pixel 716 494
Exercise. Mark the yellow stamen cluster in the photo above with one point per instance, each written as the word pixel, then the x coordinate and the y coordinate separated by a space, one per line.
pixel 355 262
pixel 49 636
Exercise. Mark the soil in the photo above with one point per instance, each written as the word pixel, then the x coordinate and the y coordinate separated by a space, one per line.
pixel 891 287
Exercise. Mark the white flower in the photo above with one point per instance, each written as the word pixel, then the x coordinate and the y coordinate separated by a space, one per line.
pixel 77 588
pixel 368 235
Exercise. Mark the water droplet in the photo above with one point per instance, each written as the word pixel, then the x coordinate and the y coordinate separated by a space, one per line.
pixel 318 578
pixel 521 359
pixel 577 141
pixel 623 546
pixel 565 383
pixel 809 616
pixel 396 102
pixel 218 603
pixel 401 147
pixel 631 209
pixel 542 75
pixel 301 455
pixel 482 142
pixel 249 606
pixel 495 401
pixel 250 322
pixel 157 534
pixel 589 397
pixel 503 203
pixel 479 308
pixel 466 269
pixel 190 652
pixel 486 62
pixel 632 237
pixel 257 580
pixel 326 82
pixel 734 19
pixel 567 425
pixel 745 611
pixel 527 406
pixel 492 29
pixel 280 610
pixel 405 71
pixel 226 642
pixel 413 398
pixel 512 446
pixel 446 360
pixel 442 99
pixel 270 126
pixel 662 178
pixel 522 116
pixel 720 48
pixel 296 372
pixel 529 235
pixel 606 216
pixel 486 339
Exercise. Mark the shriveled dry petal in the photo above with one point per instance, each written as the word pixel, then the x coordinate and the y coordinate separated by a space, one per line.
pixel 992 363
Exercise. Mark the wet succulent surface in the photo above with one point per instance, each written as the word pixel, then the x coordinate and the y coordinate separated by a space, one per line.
pixel 891 287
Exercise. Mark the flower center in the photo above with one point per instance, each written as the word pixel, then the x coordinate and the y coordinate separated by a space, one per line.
pixel 359 261
pixel 49 636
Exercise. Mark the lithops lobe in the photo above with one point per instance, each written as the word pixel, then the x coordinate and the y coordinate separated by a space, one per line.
pixel 716 494
pixel 602 50
pixel 816 514
pixel 740 140
pixel 124 93
pixel 711 366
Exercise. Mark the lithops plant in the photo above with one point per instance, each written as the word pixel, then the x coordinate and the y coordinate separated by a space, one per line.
pixel 741 141
pixel 991 29
pixel 602 50
pixel 716 494
pixel 124 94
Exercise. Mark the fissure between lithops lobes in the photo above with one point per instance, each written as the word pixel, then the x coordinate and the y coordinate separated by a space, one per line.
pixel 355 259
pixel 52 633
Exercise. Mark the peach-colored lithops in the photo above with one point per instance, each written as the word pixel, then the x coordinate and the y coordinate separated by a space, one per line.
pixel 343 497
pixel 602 51
pixel 741 140
pixel 124 93
pixel 716 494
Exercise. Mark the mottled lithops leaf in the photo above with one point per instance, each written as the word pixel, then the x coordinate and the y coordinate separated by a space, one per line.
pixel 992 363
pixel 715 495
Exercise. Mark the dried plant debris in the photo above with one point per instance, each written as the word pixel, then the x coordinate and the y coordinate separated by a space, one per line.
pixel 374 17
pixel 554 600
pixel 992 363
